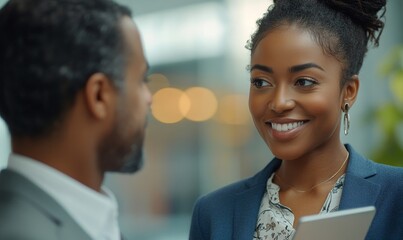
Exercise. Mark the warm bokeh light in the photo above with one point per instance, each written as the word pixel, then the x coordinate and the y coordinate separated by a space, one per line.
pixel 233 109
pixel 166 105
pixel 203 104
pixel 157 81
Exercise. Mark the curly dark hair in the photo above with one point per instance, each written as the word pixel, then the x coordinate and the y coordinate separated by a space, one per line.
pixel 342 28
pixel 48 50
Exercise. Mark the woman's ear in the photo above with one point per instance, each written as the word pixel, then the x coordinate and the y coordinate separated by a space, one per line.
pixel 350 91
pixel 99 95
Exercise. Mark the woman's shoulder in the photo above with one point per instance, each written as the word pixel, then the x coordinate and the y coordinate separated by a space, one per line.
pixel 389 172
pixel 369 169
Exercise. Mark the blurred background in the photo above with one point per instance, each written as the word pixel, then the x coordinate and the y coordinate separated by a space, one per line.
pixel 200 135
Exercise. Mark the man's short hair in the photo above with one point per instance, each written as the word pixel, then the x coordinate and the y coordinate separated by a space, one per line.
pixel 48 50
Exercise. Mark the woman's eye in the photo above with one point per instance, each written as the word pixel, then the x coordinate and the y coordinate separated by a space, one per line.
pixel 259 83
pixel 305 82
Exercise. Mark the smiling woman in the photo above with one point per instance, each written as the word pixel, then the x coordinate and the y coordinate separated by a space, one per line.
pixel 294 82
pixel 305 60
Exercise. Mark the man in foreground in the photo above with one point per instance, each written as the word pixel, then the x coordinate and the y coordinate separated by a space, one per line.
pixel 73 96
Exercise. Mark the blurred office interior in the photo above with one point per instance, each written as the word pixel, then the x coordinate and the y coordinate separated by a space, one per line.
pixel 200 135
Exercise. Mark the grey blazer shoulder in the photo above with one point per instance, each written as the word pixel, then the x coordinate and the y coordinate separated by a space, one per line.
pixel 27 212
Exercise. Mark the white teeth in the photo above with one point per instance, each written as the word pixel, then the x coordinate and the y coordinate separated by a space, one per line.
pixel 286 127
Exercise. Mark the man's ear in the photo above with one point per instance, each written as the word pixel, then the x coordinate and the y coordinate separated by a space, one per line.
pixel 99 94
pixel 350 91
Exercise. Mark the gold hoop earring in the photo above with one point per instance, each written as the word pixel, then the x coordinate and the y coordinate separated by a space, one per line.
pixel 346 118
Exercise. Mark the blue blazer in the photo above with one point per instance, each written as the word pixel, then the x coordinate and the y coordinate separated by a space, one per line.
pixel 231 212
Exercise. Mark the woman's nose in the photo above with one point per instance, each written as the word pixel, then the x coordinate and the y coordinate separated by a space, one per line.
pixel 282 101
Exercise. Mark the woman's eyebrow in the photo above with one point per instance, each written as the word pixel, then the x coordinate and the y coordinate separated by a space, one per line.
pixel 298 68
pixel 262 68
pixel 293 69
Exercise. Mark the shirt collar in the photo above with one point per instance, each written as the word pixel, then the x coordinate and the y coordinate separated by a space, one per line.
pixel 273 190
pixel 95 212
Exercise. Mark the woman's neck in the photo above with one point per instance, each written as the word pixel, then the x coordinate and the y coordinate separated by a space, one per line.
pixel 313 169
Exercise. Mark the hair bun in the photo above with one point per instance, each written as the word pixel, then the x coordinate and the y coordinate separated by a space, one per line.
pixel 366 13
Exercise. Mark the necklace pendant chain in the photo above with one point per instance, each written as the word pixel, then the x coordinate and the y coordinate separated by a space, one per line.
pixel 317 185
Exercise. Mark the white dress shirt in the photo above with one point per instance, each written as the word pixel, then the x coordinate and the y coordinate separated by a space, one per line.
pixel 96 213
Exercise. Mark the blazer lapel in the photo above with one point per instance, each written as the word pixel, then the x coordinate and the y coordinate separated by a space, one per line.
pixel 246 212
pixel 247 202
pixel 68 228
pixel 358 191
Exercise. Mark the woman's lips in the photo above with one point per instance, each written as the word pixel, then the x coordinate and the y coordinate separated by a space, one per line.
pixel 283 127
pixel 285 130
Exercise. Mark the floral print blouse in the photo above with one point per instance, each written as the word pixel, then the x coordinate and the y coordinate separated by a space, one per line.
pixel 275 221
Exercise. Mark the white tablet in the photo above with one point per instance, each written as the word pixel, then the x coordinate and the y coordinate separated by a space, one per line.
pixel 351 224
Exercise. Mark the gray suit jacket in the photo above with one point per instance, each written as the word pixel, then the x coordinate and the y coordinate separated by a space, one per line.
pixel 27 212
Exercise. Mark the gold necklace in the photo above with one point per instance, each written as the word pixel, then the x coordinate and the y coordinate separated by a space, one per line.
pixel 315 186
